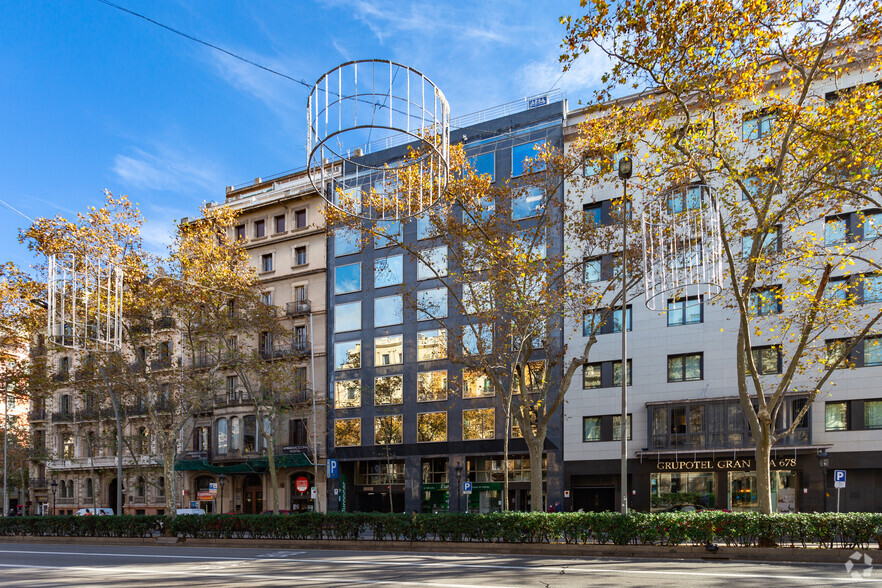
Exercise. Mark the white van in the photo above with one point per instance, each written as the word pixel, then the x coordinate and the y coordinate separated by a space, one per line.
pixel 190 511
pixel 85 512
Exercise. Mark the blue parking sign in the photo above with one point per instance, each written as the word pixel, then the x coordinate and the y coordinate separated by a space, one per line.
pixel 332 469
pixel 839 478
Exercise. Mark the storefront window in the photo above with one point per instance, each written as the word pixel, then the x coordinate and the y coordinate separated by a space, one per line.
pixel 676 489
pixel 744 497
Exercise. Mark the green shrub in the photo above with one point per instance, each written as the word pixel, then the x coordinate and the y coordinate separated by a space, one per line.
pixel 828 530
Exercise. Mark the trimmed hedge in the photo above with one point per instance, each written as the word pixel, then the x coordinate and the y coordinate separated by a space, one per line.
pixel 828 530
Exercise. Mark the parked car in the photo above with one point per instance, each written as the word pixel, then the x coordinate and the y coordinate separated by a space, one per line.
pixel 190 511
pixel 686 508
pixel 85 512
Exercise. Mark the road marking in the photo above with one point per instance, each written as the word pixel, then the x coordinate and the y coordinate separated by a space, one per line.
pixel 190 573
pixel 549 569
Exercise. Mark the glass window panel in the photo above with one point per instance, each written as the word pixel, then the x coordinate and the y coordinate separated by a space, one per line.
pixel 873 351
pixel 526 202
pixel 590 429
pixel 872 224
pixel 347 317
pixel 347 394
pixel 347 278
pixel 249 434
pixel 591 376
pixel 432 386
pixel 484 164
pixel 346 241
pixel 222 436
pixel 476 297
pixel 388 390
pixel 693 311
pixel 592 270
pixel 477 340
pixel 235 431
pixel 752 187
pixel 350 199
pixel 873 414
pixel 476 384
pixel 617 427
pixel 388 233
pixel 591 323
pixel 432 427
pixel 478 423
pixel 388 350
pixel 347 355
pixel 431 304
pixel 836 414
pixel 765 301
pixel 388 271
pixel 692 367
pixel 433 263
pixel 526 157
pixel 347 432
pixel 432 345
pixel 617 373
pixel 389 429
pixel 387 311
pixel 425 228
pixel 617 319
pixel 872 288
pixel 593 214
pixel 834 231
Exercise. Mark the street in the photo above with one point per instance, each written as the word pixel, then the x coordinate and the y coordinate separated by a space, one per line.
pixel 36 566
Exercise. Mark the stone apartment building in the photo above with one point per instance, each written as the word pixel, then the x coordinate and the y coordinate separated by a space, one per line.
pixel 281 224
pixel 74 434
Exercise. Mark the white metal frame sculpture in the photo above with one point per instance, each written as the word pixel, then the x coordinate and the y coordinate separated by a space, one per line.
pixel 363 106
pixel 682 246
pixel 85 303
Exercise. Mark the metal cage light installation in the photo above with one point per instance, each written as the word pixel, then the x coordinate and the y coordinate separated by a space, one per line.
pixel 682 246
pixel 361 107
pixel 85 303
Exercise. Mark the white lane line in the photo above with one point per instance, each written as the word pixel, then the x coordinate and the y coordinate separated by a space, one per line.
pixel 566 569
pixel 209 573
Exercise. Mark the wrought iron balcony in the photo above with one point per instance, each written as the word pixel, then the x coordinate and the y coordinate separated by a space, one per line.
pixel 36 483
pixel 298 308
pixel 37 415
pixel 165 322
pixel 62 417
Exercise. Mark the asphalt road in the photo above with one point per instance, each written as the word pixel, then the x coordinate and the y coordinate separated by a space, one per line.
pixel 38 566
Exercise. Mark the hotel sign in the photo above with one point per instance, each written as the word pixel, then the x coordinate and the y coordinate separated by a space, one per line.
pixel 697 465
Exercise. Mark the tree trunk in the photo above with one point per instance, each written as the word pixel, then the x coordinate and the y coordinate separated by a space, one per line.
pixel 763 470
pixel 505 455
pixel 536 497
pixel 168 469
pixel 274 479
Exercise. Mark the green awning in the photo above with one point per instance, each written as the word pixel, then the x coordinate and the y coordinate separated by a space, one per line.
pixel 258 465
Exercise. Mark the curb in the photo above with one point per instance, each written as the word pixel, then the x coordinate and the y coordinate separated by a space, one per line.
pixel 685 552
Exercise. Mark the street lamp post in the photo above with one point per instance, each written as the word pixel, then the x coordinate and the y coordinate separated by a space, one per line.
pixel 54 485
pixel 824 463
pixel 458 470
pixel 221 480
pixel 625 170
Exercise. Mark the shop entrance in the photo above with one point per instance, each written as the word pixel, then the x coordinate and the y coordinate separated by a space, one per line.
pixel 301 501
pixel 252 495
pixel 595 499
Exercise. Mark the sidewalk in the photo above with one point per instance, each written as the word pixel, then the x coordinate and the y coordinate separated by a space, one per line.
pixel 685 552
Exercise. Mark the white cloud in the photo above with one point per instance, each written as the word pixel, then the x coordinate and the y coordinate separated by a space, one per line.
pixel 165 169
pixel 539 76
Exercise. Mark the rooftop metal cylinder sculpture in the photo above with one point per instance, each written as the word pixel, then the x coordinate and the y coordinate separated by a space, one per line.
pixel 362 107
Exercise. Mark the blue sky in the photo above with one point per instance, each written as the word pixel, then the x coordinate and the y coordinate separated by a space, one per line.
pixel 94 98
